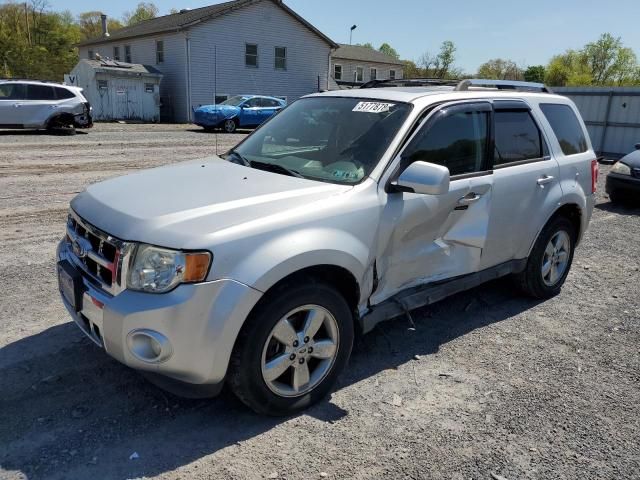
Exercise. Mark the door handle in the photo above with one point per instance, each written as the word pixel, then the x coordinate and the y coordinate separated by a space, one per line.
pixel 542 181
pixel 469 198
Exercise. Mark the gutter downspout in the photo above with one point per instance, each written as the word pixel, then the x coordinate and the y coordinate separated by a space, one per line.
pixel 331 50
pixel 188 74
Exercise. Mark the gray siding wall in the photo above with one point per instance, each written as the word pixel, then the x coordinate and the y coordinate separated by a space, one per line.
pixel 268 26
pixel 173 89
pixel 349 69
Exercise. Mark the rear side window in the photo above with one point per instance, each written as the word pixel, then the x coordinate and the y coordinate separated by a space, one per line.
pixel 40 92
pixel 12 91
pixel 517 137
pixel 458 142
pixel 566 126
pixel 63 94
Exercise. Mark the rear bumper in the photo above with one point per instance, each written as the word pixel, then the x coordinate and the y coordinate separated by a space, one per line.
pixel 622 184
pixel 197 324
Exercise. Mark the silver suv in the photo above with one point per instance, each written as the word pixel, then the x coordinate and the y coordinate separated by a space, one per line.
pixel 346 209
pixel 41 105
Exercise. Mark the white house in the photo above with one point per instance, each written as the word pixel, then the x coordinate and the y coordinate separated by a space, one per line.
pixel 210 53
pixel 354 64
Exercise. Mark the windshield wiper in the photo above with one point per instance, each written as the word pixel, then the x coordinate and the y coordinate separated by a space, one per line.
pixel 274 167
pixel 266 166
pixel 243 161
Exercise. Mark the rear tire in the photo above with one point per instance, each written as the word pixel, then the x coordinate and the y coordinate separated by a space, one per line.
pixel 61 126
pixel 230 126
pixel 287 358
pixel 550 260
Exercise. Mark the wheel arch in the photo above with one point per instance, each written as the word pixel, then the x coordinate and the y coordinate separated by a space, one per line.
pixel 572 212
pixel 60 115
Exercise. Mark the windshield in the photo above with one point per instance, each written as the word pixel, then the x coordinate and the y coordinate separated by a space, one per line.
pixel 235 101
pixel 331 139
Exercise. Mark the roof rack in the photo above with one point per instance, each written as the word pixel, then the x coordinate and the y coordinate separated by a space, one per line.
pixel 502 85
pixel 410 82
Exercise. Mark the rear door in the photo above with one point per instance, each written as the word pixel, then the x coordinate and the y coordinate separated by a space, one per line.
pixel 526 186
pixel 250 113
pixel 426 238
pixel 39 106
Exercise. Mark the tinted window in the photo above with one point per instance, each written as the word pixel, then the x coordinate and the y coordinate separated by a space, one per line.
pixel 458 142
pixel 567 128
pixel 254 102
pixel 63 93
pixel 12 91
pixel 517 137
pixel 40 92
pixel 267 102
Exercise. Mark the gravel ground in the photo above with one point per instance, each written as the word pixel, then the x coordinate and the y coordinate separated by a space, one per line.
pixel 489 386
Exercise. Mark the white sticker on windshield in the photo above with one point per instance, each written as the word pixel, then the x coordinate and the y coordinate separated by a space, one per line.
pixel 372 107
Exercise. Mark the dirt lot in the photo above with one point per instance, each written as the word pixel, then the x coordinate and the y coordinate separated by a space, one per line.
pixel 490 385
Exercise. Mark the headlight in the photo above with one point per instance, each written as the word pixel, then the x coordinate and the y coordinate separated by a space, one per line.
pixel 621 169
pixel 159 270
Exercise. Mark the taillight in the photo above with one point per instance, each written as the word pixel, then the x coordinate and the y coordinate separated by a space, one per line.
pixel 594 176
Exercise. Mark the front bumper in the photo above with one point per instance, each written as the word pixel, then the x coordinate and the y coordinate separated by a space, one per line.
pixel 83 120
pixel 200 322
pixel 622 184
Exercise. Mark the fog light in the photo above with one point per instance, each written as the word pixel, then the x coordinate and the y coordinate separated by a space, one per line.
pixel 149 346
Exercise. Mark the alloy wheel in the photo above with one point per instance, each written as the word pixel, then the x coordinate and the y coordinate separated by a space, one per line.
pixel 300 351
pixel 556 258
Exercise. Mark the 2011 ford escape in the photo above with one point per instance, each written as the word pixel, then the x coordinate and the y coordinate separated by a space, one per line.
pixel 345 209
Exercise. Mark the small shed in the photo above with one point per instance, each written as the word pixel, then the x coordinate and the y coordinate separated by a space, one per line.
pixel 118 90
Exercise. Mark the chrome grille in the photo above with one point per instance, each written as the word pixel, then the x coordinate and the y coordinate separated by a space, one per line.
pixel 99 255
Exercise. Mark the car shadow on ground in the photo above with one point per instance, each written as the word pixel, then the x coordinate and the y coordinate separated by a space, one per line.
pixel 31 133
pixel 239 131
pixel 69 410
pixel 627 207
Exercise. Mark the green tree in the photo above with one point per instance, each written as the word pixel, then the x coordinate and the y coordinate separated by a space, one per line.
pixel 366 45
pixel 500 69
pixel 569 68
pixel 389 50
pixel 144 11
pixel 90 24
pixel 441 64
pixel 36 43
pixel 535 73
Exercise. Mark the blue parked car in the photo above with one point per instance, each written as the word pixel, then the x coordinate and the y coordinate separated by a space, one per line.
pixel 241 111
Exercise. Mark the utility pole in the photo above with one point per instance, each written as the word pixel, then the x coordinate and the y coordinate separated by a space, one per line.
pixel 353 27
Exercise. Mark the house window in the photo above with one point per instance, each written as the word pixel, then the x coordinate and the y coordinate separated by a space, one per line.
pixel 127 53
pixel 159 51
pixel 221 98
pixel 337 72
pixel 374 73
pixel 116 53
pixel 90 55
pixel 103 85
pixel 281 58
pixel 251 55
pixel 392 74
pixel 148 88
pixel 359 74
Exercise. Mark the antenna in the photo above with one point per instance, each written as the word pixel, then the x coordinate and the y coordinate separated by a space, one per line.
pixel 215 86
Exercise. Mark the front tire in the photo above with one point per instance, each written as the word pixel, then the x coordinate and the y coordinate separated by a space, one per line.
pixel 292 349
pixel 550 260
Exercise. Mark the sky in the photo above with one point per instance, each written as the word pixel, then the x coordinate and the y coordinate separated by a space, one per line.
pixel 528 33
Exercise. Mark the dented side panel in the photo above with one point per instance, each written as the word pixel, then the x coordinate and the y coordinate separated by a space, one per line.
pixel 426 238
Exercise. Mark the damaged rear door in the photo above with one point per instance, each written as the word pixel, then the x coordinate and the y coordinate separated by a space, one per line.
pixel 426 238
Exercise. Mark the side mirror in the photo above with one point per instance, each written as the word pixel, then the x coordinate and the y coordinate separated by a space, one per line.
pixel 425 178
pixel 637 146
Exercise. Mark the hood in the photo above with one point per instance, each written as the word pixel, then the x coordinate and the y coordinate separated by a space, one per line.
pixel 632 159
pixel 214 109
pixel 184 205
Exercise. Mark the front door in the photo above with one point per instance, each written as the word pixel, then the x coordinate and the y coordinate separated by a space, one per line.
pixel 11 96
pixel 426 238
pixel 250 113
pixel 526 187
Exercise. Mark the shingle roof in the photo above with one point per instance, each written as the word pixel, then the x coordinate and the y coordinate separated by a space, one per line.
pixel 364 54
pixel 116 66
pixel 187 18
